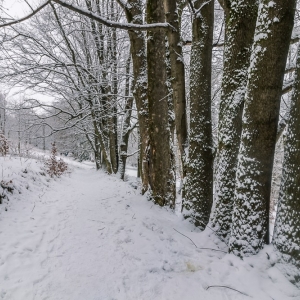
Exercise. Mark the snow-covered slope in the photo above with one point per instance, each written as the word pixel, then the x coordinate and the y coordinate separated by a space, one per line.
pixel 89 236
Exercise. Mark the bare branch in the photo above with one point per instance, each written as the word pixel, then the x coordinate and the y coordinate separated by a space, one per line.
pixel 26 17
pixel 227 287
pixel 93 16
pixel 29 5
pixel 197 246
pixel 108 23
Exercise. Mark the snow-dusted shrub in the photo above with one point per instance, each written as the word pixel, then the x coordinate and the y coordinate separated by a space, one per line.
pixel 4 145
pixel 53 166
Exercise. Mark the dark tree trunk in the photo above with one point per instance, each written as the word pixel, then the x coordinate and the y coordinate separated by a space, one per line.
pixel 134 14
pixel 250 223
pixel 177 75
pixel 198 187
pixel 162 177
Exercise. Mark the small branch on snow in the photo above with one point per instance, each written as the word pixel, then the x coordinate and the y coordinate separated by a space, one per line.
pixel 101 228
pixel 33 207
pixel 227 287
pixel 197 246
pixel 40 196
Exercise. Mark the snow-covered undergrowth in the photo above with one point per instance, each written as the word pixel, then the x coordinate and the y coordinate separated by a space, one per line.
pixel 89 236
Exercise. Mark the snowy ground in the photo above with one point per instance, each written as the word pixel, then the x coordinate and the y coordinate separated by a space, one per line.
pixel 89 236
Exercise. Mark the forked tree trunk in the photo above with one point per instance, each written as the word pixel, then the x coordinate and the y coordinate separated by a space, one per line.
pixel 162 179
pixel 250 223
pixel 198 188
pixel 240 20
pixel 287 225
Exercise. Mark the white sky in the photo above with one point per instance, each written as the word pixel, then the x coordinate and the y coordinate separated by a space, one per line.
pixel 17 9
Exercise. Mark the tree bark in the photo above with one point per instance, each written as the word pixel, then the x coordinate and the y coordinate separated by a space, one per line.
pixel 177 75
pixel 198 187
pixel 250 223
pixel 134 14
pixel 126 123
pixel 162 177
pixel 113 120
pixel 239 33
pixel 286 237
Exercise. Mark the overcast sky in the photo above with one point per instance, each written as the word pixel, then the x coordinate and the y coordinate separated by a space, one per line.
pixel 17 9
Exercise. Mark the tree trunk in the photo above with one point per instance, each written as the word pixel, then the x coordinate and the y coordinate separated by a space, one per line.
pixel 126 123
pixel 239 33
pixel 250 223
pixel 134 14
pixel 162 179
pixel 177 76
pixel 286 237
pixel 113 120
pixel 199 178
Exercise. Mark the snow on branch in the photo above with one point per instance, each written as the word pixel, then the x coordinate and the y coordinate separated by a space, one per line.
pixel 109 23
pixel 93 16
pixel 287 86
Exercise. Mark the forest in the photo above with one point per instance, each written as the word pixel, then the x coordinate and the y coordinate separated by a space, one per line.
pixel 201 96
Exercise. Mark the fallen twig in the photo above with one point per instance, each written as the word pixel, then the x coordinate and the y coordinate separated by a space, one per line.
pixel 101 228
pixel 227 287
pixel 40 196
pixel 197 246
pixel 33 207
pixel 108 197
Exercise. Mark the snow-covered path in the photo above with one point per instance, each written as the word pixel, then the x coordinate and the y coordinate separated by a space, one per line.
pixel 92 236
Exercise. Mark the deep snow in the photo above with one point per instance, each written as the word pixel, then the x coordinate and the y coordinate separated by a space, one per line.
pixel 89 236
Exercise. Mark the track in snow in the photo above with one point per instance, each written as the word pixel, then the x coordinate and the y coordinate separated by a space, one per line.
pixel 92 236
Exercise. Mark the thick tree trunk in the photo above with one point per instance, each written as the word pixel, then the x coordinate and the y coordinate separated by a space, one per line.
pixel 287 226
pixel 162 177
pixel 239 32
pixel 134 14
pixel 177 75
pixel 250 223
pixel 199 178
